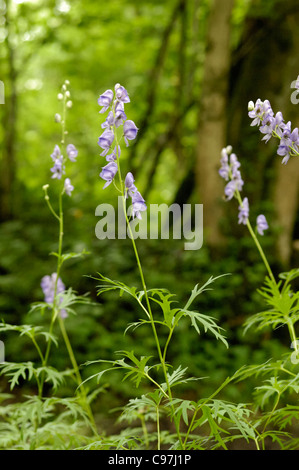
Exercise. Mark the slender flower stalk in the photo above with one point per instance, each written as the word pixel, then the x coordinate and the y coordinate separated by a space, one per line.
pixel 229 165
pixel 53 286
pixel 117 118
pixel 230 172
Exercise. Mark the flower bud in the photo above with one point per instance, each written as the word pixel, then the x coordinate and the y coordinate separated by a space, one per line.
pixel 250 105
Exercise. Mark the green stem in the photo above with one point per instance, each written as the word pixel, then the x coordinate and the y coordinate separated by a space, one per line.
pixel 257 243
pixel 55 310
pixel 149 310
pixel 77 373
pixel 158 428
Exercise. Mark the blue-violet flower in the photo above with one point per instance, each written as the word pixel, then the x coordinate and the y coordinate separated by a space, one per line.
pixel 261 224
pixel 108 172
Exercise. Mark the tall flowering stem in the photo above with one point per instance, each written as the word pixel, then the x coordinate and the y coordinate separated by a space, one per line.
pixel 52 285
pixel 110 141
pixel 230 172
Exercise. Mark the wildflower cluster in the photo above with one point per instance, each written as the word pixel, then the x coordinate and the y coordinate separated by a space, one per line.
pixel 230 172
pixel 114 102
pixel 59 160
pixel 274 126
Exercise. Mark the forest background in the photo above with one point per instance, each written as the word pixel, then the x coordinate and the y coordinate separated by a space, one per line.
pixel 190 67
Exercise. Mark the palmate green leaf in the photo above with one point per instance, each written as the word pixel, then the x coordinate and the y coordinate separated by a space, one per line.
pixel 182 408
pixel 236 416
pixel 109 284
pixel 136 372
pixel 274 386
pixel 289 276
pixel 70 298
pixel 16 371
pixel 43 423
pixel 145 406
pixel 283 303
pixel 26 370
pixel 200 289
pixel 207 322
pixel 28 330
pixel 177 377
pixel 216 430
pixel 285 417
pixel 165 303
pixel 66 256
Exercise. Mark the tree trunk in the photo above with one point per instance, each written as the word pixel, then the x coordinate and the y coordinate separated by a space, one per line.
pixel 267 74
pixel 212 118
pixel 9 125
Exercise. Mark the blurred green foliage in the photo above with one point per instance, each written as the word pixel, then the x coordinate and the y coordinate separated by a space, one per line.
pixel 95 45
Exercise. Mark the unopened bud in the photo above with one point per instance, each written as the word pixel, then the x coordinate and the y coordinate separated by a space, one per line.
pixel 250 105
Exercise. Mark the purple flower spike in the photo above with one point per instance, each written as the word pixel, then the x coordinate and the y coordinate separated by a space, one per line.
pixel 244 211
pixel 105 141
pixel 105 100
pixel 68 187
pixel 138 205
pixel 108 172
pixel 261 224
pixel 48 287
pixel 130 131
pixel 72 152
pixel 121 93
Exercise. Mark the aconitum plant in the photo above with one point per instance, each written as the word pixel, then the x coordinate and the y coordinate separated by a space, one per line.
pixel 281 302
pixel 41 427
pixel 157 371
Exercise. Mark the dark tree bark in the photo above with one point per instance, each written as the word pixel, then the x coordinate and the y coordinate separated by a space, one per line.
pixel 212 118
pixel 8 163
pixel 153 82
pixel 264 67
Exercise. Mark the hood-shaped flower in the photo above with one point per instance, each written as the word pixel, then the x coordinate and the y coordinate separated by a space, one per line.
pixel 261 224
pixel 105 100
pixel 108 172
pixel 130 131
pixel 105 141
pixel 72 152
